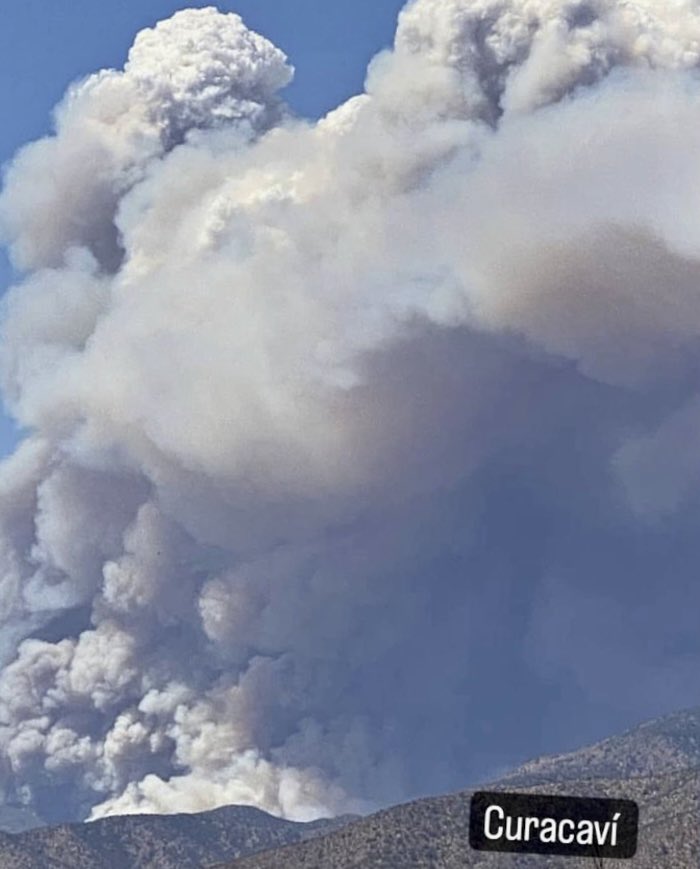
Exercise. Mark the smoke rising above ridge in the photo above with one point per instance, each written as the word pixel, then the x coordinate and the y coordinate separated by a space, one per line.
pixel 351 443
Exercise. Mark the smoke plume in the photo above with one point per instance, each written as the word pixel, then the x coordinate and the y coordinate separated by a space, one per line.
pixel 361 455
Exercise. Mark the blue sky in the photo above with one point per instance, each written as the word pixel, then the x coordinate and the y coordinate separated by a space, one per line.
pixel 45 44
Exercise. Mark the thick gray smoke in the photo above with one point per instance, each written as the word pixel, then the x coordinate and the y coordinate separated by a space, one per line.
pixel 362 455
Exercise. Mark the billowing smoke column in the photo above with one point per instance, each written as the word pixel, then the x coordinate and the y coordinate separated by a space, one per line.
pixel 362 455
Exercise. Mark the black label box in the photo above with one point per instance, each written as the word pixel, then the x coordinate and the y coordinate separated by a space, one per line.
pixel 563 826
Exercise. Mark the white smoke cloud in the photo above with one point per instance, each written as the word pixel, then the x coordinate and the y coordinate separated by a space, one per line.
pixel 318 410
pixel 197 70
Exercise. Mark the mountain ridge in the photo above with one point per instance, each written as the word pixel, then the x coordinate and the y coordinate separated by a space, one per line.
pixel 155 841
pixel 656 763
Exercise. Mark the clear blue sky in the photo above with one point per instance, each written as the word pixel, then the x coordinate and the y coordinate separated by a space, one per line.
pixel 46 44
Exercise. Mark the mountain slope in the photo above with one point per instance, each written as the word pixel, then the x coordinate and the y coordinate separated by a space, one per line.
pixel 653 748
pixel 154 841
pixel 656 764
pixel 434 833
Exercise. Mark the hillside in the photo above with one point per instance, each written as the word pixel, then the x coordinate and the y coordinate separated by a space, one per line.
pixel 434 833
pixel 154 841
pixel 662 745
pixel 656 764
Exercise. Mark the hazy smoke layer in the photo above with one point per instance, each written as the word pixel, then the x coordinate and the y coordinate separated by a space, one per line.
pixel 362 454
